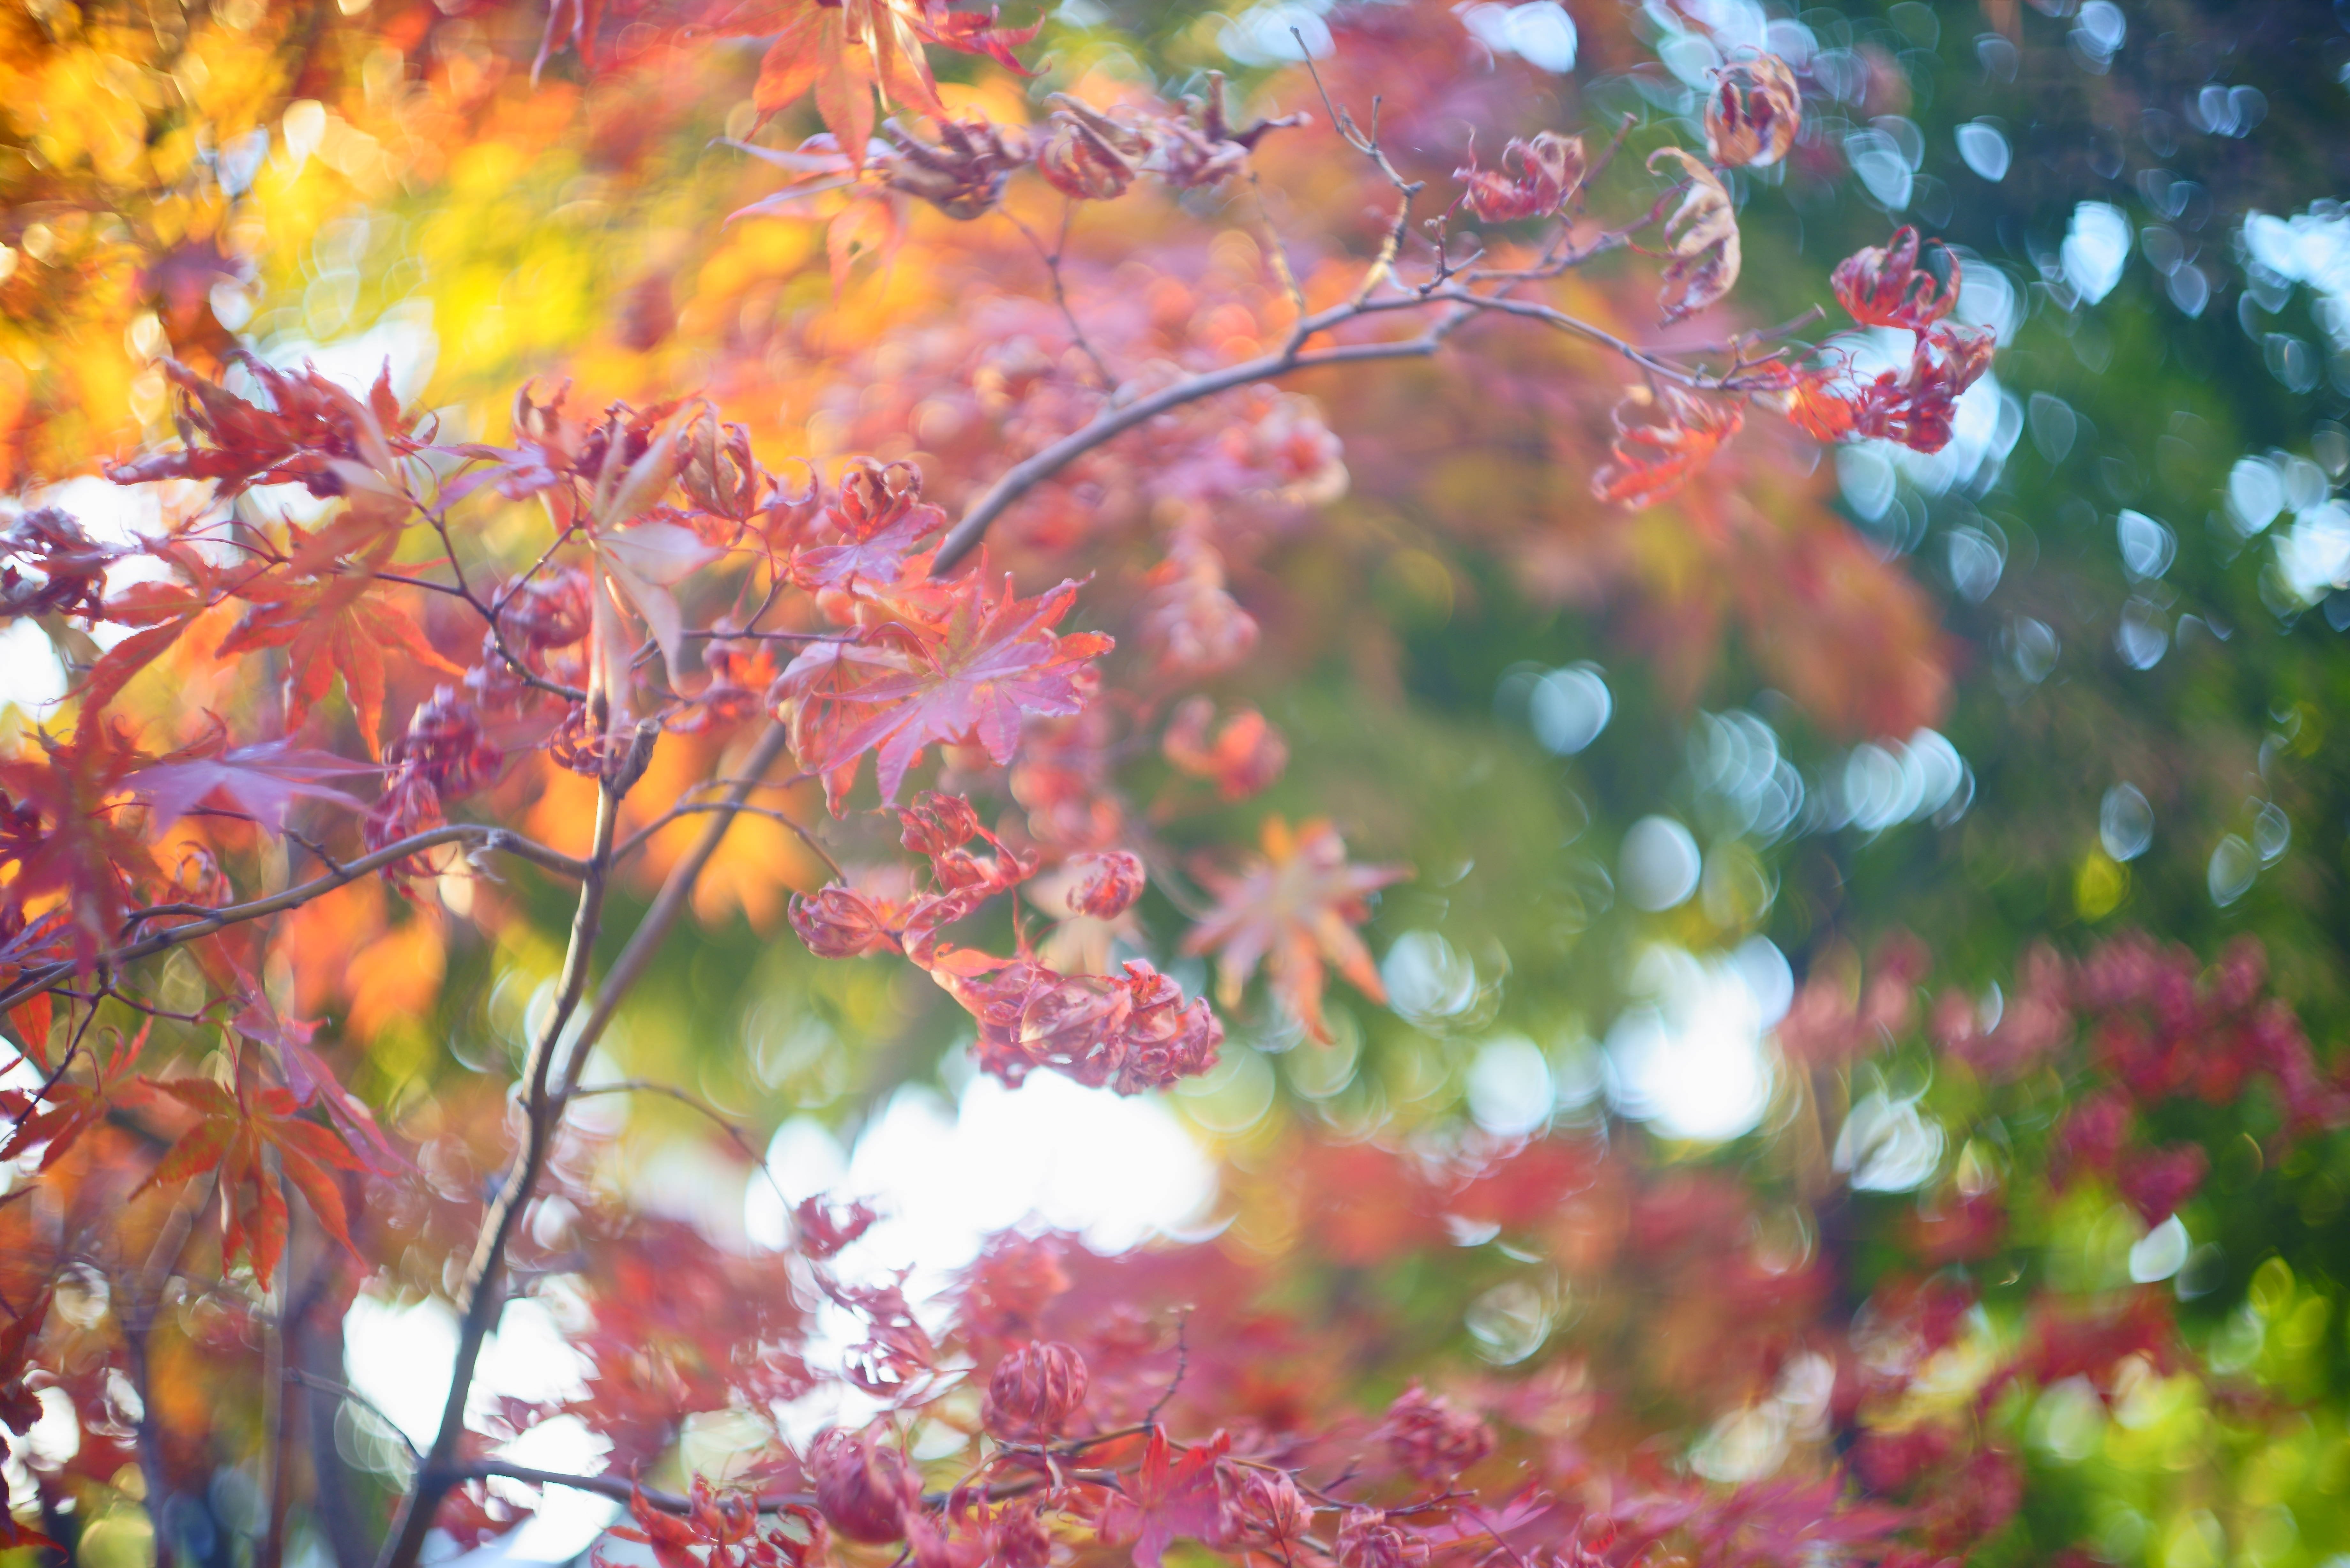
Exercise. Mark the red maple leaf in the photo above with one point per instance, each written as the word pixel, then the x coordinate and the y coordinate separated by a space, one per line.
pixel 1172 1493
pixel 314 433
pixel 1885 287
pixel 67 1110
pixel 843 49
pixel 236 1128
pixel 964 678
pixel 330 626
pixel 58 830
pixel 1293 909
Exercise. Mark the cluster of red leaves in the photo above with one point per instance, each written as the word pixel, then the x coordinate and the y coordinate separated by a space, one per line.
pixel 1132 1032
pixel 1914 405
pixel 2151 1025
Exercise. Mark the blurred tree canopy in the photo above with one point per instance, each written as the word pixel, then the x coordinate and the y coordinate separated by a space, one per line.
pixel 1839 1006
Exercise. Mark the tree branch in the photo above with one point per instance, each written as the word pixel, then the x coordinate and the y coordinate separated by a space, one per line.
pixel 669 904
pixel 483 1297
pixel 208 920
pixel 1026 475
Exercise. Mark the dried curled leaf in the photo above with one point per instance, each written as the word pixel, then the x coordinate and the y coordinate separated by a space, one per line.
pixel 1535 178
pixel 1753 113
pixel 1652 460
pixel 1703 231
pixel 962 173
pixel 1887 287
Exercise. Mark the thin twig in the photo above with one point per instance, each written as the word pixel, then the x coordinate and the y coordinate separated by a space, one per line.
pixel 208 920
pixel 346 1392
pixel 483 1295
pixel 638 839
pixel 638 955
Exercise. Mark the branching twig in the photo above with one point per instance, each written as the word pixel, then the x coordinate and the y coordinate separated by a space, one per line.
pixel 203 920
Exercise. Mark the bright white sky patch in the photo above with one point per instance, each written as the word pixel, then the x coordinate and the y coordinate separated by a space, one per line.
pixel 1690 1062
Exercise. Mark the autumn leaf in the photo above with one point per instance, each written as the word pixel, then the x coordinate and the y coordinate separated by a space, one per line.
pixel 1753 112
pixel 59 831
pixel 1294 910
pixel 314 433
pixel 331 627
pixel 1172 1494
pixel 68 1109
pixel 846 49
pixel 1886 287
pixel 965 678
pixel 1653 459
pixel 260 781
pixel 19 1407
pixel 1703 233
pixel 235 1130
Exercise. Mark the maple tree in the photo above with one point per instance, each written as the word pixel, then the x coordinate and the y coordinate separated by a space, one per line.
pixel 1172 476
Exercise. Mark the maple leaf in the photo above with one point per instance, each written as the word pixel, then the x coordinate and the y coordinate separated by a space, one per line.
pixel 19 1408
pixel 1294 910
pixel 68 1109
pixel 962 679
pixel 236 1130
pixel 315 434
pixel 162 610
pixel 58 830
pixel 1535 178
pixel 330 627
pixel 1753 113
pixel 261 781
pixel 1703 233
pixel 1654 460
pixel 1172 1493
pixel 845 49
pixel 312 1081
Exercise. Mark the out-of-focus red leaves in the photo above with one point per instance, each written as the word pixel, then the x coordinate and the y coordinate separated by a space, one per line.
pixel 864 1487
pixel 2158 1182
pixel 1655 457
pixel 1429 1438
pixel 1368 1538
pixel 1260 1509
pixel 821 1227
pixel 1245 756
pixel 1293 909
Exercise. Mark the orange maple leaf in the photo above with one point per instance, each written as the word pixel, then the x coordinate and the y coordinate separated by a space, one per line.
pixel 331 625
pixel 1294 910
pixel 236 1131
